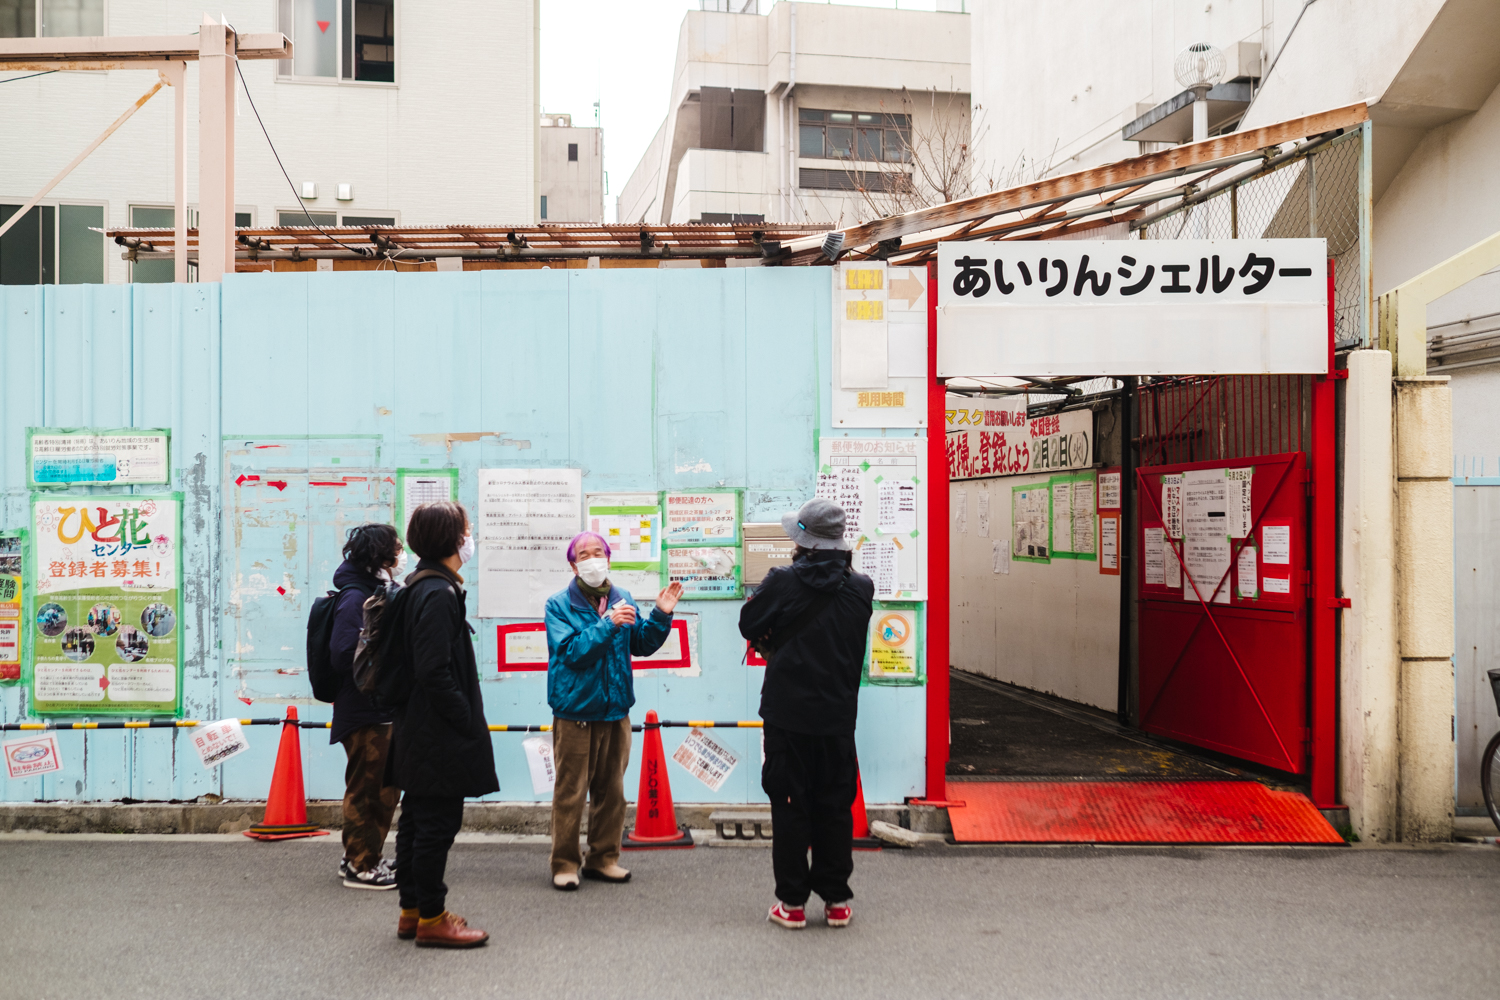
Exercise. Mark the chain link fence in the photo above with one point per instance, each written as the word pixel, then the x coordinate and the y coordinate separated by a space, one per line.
pixel 1314 196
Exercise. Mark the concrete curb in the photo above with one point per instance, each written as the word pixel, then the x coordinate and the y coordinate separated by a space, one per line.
pixel 532 818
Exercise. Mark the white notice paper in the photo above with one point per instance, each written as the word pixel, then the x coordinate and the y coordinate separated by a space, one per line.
pixel 1109 543
pixel 1277 539
pixel 423 489
pixel 1155 557
pixel 538 751
pixel 1172 563
pixel 526 519
pixel 216 742
pixel 705 759
pixel 1083 517
pixel 844 485
pixel 1237 501
pixel 1247 573
pixel 31 756
pixel 984 513
pixel 1062 517
pixel 1000 553
pixel 1109 490
pixel 878 561
pixel 897 501
pixel 960 511
pixel 1171 505
pixel 1205 540
pixel 1278 585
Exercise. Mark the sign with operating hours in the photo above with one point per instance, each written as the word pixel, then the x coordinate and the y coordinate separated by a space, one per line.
pixel 1132 307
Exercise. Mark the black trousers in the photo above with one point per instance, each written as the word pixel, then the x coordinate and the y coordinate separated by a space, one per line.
pixel 811 782
pixel 428 825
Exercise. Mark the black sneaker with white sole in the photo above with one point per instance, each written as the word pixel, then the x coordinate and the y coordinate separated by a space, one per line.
pixel 344 870
pixel 380 878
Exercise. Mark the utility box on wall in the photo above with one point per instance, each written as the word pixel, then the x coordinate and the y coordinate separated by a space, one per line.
pixel 766 547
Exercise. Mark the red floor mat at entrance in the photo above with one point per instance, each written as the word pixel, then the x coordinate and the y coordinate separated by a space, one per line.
pixel 1133 812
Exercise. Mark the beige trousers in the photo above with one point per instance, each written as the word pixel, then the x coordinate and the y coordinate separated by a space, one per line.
pixel 591 758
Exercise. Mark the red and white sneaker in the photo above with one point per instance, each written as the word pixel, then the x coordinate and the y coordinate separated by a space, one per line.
pixel 794 917
pixel 838 914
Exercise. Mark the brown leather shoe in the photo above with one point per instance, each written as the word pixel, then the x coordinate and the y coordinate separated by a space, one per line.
pixel 406 927
pixel 613 873
pixel 451 931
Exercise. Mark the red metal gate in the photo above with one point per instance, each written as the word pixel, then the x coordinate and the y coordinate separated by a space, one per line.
pixel 1223 622
pixel 1252 676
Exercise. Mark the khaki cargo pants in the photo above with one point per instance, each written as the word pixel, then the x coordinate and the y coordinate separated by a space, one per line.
pixel 591 758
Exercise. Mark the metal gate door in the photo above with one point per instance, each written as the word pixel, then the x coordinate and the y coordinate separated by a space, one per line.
pixel 1223 593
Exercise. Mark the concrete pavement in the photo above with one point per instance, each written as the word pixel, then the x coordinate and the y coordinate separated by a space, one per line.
pixel 102 916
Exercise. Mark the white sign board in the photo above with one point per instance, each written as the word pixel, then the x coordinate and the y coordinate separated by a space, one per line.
pixel 216 742
pixel 879 345
pixel 33 755
pixel 880 484
pixel 1132 307
pixel 705 758
pixel 526 519
pixel 994 437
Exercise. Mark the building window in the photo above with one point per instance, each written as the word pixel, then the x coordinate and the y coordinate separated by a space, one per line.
pixel 51 18
pixel 369 220
pixel 849 180
pixel 729 218
pixel 297 217
pixel 854 135
pixel 544 206
pixel 731 119
pixel 572 152
pixel 53 245
pixel 350 40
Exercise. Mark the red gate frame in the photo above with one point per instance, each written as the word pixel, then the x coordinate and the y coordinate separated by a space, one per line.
pixel 1321 540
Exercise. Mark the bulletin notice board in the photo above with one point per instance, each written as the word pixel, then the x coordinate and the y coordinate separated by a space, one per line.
pixel 108 625
pixel 701 538
pixel 880 484
pixel 415 487
pixel 894 655
pixel 1056 518
pixel 15 601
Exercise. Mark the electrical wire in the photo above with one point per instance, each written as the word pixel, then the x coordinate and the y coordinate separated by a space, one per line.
pixel 28 76
pixel 357 251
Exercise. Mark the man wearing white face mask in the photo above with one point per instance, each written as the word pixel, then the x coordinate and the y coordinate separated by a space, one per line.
pixel 593 629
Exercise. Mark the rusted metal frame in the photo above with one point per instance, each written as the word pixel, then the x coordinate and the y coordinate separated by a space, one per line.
pixel 93 53
pixel 1208 614
pixel 1237 145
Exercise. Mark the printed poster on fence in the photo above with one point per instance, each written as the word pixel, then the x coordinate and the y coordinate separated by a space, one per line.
pixel 33 755
pixel 129 456
pixel 12 603
pixel 107 637
pixel 216 742
pixel 895 644
pixel 705 758
pixel 539 762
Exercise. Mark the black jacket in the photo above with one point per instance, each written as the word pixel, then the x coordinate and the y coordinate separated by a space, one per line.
pixel 351 709
pixel 441 744
pixel 812 684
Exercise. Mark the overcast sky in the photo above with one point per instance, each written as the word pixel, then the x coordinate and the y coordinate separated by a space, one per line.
pixel 620 54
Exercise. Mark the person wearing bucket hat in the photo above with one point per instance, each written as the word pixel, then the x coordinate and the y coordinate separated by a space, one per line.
pixel 809 620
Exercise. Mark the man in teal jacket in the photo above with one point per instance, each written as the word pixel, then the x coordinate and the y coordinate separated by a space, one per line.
pixel 593 629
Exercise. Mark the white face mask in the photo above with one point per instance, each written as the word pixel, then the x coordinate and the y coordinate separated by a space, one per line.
pixel 466 549
pixel 593 571
pixel 396 572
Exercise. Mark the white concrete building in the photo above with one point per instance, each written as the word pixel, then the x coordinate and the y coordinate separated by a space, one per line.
pixel 389 111
pixel 780 117
pixel 571 170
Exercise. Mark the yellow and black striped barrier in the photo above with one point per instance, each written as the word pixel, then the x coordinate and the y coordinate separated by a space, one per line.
pixel 303 724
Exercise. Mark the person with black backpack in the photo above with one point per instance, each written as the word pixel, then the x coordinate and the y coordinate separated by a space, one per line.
pixel 440 750
pixel 372 557
pixel 810 621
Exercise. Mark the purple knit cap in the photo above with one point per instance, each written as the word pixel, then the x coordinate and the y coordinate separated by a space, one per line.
pixel 584 536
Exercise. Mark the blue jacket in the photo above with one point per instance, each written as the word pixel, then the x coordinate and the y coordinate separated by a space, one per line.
pixel 588 657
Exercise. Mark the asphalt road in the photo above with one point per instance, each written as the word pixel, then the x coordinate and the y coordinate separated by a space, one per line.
pixel 120 917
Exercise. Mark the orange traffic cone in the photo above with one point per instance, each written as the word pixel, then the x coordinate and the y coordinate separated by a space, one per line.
pixel 286 806
pixel 655 819
pixel 862 839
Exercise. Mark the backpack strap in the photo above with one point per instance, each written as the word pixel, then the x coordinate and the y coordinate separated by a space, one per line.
pixel 809 615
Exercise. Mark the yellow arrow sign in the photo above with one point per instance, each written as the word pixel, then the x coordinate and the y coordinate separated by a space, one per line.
pixel 907 288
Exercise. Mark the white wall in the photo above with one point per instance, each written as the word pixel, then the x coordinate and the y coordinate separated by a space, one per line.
pixel 574 189
pixel 1051 627
pixel 451 141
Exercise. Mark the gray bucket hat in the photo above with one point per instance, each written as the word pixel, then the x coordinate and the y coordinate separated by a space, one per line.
pixel 819 524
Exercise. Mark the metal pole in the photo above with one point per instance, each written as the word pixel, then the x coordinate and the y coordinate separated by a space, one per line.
pixel 176 74
pixel 1323 707
pixel 1125 540
pixel 937 559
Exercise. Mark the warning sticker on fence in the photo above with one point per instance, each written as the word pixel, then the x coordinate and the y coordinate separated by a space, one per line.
pixel 32 756
pixel 539 760
pixel 706 760
pixel 216 742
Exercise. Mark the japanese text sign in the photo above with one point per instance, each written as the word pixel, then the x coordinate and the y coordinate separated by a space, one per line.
pixel 216 742
pixel 31 756
pixel 126 457
pixel 1132 307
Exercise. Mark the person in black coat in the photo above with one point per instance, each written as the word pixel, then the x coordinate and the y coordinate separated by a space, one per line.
pixel 372 556
pixel 811 621
pixel 440 750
